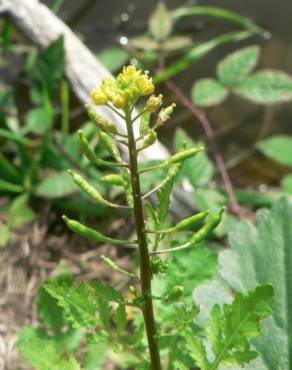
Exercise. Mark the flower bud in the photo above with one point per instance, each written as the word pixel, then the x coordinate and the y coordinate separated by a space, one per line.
pixel 98 97
pixel 154 103
pixel 164 115
pixel 175 293
pixel 150 139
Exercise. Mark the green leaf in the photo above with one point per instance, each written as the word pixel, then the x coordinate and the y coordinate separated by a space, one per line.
pixel 56 185
pixel 266 87
pixel 121 318
pixel 113 58
pixel 230 328
pixel 216 12
pixel 163 194
pixel 177 42
pixel 82 301
pixel 262 254
pixel 207 92
pixel 42 352
pixel 39 120
pixel 19 212
pixel 48 69
pixel 286 184
pixel 160 23
pixel 278 148
pixel 198 52
pixel 199 169
pixel 5 235
pixel 237 65
pixel 8 171
pixel 95 356
pixel 144 43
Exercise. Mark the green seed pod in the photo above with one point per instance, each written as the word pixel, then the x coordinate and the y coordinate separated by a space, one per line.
pixel 207 229
pixel 114 179
pixel 89 233
pixel 110 145
pixel 102 123
pixel 187 223
pixel 175 293
pixel 86 149
pixel 115 267
pixel 144 122
pixel 90 191
pixel 185 154
pixel 150 139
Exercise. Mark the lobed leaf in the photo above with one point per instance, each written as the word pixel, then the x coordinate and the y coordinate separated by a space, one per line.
pixel 278 148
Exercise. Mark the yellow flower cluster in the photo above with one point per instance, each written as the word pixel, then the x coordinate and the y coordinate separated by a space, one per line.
pixel 125 89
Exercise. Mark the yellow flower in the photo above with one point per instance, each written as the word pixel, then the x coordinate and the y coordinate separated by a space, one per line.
pixel 98 97
pixel 154 103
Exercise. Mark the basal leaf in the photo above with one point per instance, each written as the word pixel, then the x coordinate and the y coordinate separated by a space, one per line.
pixel 266 87
pixel 207 92
pixel 278 148
pixel 42 352
pixel 237 65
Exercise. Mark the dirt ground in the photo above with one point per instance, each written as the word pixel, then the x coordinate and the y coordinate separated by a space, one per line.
pixel 32 256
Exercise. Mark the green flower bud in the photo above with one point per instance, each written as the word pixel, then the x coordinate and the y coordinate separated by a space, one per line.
pixel 150 139
pixel 158 266
pixel 175 293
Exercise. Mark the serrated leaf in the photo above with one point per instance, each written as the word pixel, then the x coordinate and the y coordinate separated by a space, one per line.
pixel 160 23
pixel 197 350
pixel 237 65
pixel 42 352
pixel 231 328
pixel 278 148
pixel 207 92
pixel 199 169
pixel 82 301
pixel 266 87
pixel 259 254
pixel 56 185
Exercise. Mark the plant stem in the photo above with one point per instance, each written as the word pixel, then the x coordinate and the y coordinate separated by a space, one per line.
pixel 145 268
pixel 235 207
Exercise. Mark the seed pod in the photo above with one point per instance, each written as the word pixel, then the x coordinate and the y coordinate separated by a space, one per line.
pixel 86 149
pixel 150 139
pixel 115 267
pixel 102 123
pixel 144 122
pixel 186 224
pixel 175 293
pixel 90 191
pixel 207 229
pixel 110 145
pixel 114 179
pixel 89 233
pixel 183 155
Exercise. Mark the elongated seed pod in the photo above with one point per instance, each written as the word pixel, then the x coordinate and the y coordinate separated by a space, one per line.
pixel 110 145
pixel 90 233
pixel 115 267
pixel 90 191
pixel 186 224
pixel 114 179
pixel 86 149
pixel 184 154
pixel 149 139
pixel 202 234
pixel 207 229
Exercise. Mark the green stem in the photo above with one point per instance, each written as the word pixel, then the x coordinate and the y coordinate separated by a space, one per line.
pixel 145 268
